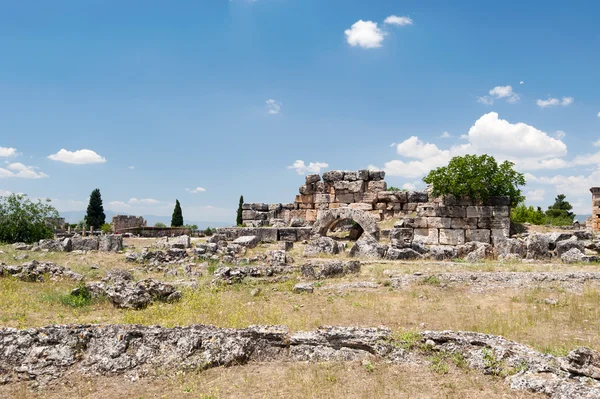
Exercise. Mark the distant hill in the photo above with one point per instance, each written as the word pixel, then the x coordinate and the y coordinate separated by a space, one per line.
pixel 76 216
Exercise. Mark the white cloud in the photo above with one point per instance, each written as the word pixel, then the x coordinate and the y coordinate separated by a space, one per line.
pixel 598 114
pixel 131 167
pixel 399 21
pixel 521 83
pixel 445 135
pixel 535 195
pixel 555 101
pixel 596 143
pixel 528 147
pixel 312 167
pixel 4 193
pixel 7 152
pixel 144 201
pixel 365 34
pixel 409 186
pixel 18 170
pixel 498 92
pixel 196 190
pixel 559 134
pixel 273 106
pixel 79 157
pixel 587 159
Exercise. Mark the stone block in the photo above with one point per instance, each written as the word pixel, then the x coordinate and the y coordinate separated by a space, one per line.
pixel 246 207
pixel 311 216
pixel 368 197
pixel 454 211
pixel 428 209
pixel 333 175
pixel 351 176
pixel 418 196
pixel 411 207
pixel 247 241
pixel 498 235
pixel 305 199
pixel 376 186
pixel 452 236
pixel 306 206
pixel 287 234
pixel 416 222
pixel 275 207
pixel 394 206
pixel 376 175
pixel 350 186
pixel 401 237
pixel 439 223
pixel 289 207
pixel 285 245
pixel 377 215
pixel 427 236
pixel 361 206
pixel 259 206
pixel 497 201
pixel 401 196
pixel 386 196
pixel 479 211
pixel 323 206
pixel 362 174
pixel 311 179
pixel 307 189
pixel 334 205
pixel 323 198
pixel 248 215
pixel 500 210
pixel 382 206
pixel 479 235
pixel 345 198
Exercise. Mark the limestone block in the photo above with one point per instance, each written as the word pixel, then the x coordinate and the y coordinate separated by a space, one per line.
pixel 386 196
pixel 368 197
pixel 289 207
pixel 334 205
pixel 452 236
pixel 376 175
pixel 417 222
pixel 411 207
pixel 355 186
pixel 350 176
pixel 418 196
pixel 275 207
pixel 358 197
pixel 394 206
pixel 388 214
pixel 401 196
pixel 311 179
pixel 493 223
pixel 333 175
pixel 260 207
pixel 439 223
pixel 479 211
pixel 246 207
pixel 311 216
pixel 464 223
pixel 362 174
pixel 498 235
pixel 401 237
pixel 307 189
pixel 322 206
pixel 323 198
pixel 453 211
pixel 381 206
pixel 305 199
pixel 494 201
pixel 248 215
pixel 306 206
pixel 346 198
pixel 427 236
pixel 501 210
pixel 376 186
pixel 262 216
pixel 480 235
pixel 377 214
pixel 361 206
pixel 428 209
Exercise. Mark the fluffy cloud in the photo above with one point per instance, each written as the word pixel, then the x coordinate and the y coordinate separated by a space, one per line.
pixel 195 190
pixel 559 134
pixel 18 170
pixel 498 92
pixel 598 114
pixel 535 195
pixel 445 135
pixel 587 159
pixel 116 204
pixel 555 101
pixel 399 21
pixel 79 157
pixel 273 106
pixel 365 34
pixel 144 201
pixel 7 152
pixel 528 147
pixel 312 167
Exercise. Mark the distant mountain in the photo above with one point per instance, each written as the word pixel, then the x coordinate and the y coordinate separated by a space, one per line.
pixel 581 218
pixel 76 216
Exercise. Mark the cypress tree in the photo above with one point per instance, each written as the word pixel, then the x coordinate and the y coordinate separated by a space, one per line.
pixel 95 216
pixel 239 220
pixel 177 218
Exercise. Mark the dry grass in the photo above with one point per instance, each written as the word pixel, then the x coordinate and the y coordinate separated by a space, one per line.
pixel 288 380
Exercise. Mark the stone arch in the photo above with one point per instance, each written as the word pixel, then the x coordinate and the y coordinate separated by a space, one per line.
pixel 329 218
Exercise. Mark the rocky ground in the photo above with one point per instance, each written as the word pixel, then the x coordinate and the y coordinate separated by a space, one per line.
pixel 113 301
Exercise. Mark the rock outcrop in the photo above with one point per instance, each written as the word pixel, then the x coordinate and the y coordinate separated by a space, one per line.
pixel 35 271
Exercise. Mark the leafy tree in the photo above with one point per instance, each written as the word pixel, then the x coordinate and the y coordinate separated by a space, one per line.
pixel 177 218
pixel 159 224
pixel 209 232
pixel 392 188
pixel 559 213
pixel 106 228
pixel 22 220
pixel 239 220
pixel 528 214
pixel 478 177
pixel 95 216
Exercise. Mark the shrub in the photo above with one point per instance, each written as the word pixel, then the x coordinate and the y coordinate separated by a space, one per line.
pixel 528 214
pixel 106 228
pixel 478 177
pixel 22 220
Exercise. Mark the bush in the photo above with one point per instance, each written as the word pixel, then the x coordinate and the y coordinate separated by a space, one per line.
pixel 22 220
pixel 106 228
pixel 159 224
pixel 528 214
pixel 559 214
pixel 478 177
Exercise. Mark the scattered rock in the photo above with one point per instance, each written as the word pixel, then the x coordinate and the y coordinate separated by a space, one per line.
pixel 368 247
pixel 328 269
pixel 322 245
pixel 35 271
pixel 247 241
pixel 303 287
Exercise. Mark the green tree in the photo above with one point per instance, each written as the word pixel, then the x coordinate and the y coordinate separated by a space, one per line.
pixel 95 216
pixel 559 214
pixel 177 218
pixel 106 228
pixel 22 220
pixel 239 220
pixel 159 224
pixel 528 214
pixel 478 177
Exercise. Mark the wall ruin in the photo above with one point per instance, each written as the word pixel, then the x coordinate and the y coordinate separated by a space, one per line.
pixel 121 222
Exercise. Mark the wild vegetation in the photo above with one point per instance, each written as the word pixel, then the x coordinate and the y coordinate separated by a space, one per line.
pixel 23 220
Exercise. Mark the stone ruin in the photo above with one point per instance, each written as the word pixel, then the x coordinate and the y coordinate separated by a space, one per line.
pixel 593 222
pixel 121 222
pixel 362 196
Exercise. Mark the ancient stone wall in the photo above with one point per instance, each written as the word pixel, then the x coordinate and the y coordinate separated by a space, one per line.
pixel 594 223
pixel 363 197
pixel 120 222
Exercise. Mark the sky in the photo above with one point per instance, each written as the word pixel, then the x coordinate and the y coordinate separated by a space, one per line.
pixel 204 101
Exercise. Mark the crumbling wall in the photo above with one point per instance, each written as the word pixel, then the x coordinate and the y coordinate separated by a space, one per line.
pixel 120 222
pixel 434 221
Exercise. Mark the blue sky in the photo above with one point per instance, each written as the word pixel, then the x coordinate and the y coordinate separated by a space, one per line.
pixel 228 96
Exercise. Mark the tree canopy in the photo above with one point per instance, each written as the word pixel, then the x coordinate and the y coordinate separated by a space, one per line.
pixel 22 220
pixel 239 220
pixel 95 216
pixel 177 218
pixel 559 212
pixel 478 177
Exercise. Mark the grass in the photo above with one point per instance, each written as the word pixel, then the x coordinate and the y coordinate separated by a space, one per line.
pixel 288 380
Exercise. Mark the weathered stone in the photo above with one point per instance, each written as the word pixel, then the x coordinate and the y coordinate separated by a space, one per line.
pixel 322 245
pixel 418 196
pixel 350 176
pixel 109 243
pixel 402 254
pixel 307 189
pixel 345 198
pixel 328 269
pixel 310 179
pixel 538 246
pixel 442 252
pixel 438 222
pixel 368 247
pixel 401 237
pixel 376 175
pixel 333 175
pixel 248 214
pixel 451 236
pixel 362 174
pixel 323 198
pixel 247 241
pixel 479 235
pixel 573 255
pixel 286 245
pixel 36 271
pixel 303 287
pixel 376 186
pixel 85 243
pixel 566 245
pixel 427 236
pixel 361 206
pixel 259 206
